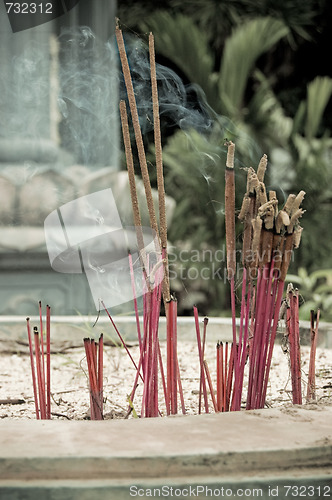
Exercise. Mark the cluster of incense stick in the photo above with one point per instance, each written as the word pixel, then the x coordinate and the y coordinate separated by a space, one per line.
pixel 224 373
pixel 224 369
pixel 311 389
pixel 40 358
pixel 94 359
pixel 150 361
pixel 269 237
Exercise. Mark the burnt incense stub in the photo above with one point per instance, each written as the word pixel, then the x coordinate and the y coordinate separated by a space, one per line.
pixel 269 238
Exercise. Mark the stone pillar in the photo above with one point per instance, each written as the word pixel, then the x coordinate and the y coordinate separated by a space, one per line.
pixel 89 83
pixel 39 168
pixel 24 81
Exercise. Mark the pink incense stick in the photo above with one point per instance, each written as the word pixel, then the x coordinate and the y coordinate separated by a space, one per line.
pixel 42 404
pixel 48 360
pixel 162 373
pixel 206 320
pixel 120 336
pixel 101 370
pixel 132 278
pixel 219 368
pixel 208 376
pixel 201 360
pixel 41 329
pixel 280 289
pixel 225 376
pixel 183 406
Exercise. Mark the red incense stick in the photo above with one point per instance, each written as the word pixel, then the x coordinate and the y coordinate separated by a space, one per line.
pixel 205 323
pixel 201 360
pixel 120 337
pixel 33 374
pixel 42 345
pixel 230 377
pixel 132 278
pixel 48 360
pixel 208 376
pixel 101 370
pixel 311 390
pixel 219 377
pixel 42 405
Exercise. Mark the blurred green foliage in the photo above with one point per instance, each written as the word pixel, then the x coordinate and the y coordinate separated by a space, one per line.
pixel 315 291
pixel 244 55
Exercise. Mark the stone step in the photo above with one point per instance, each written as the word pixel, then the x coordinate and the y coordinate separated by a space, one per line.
pixel 271 448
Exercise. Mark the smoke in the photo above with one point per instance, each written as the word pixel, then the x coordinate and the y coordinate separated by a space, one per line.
pixel 88 96
pixel 180 105
pixel 24 94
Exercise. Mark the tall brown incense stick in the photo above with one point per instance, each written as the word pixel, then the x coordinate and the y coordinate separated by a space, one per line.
pixel 159 166
pixel 157 143
pixel 137 129
pixel 130 166
pixel 230 238
pixel 132 184
pixel 230 211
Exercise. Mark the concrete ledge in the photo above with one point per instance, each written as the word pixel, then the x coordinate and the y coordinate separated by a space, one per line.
pixel 261 451
pixel 72 329
pixel 253 443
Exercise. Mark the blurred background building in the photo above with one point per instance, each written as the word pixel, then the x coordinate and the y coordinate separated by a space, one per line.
pixel 58 141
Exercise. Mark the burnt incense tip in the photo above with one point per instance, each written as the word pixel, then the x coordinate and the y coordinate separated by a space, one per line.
pixel 28 319
pixel 230 154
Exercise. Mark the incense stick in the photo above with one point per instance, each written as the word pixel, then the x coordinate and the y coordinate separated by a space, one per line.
pixel 159 165
pixel 201 360
pixel 41 392
pixel 230 237
pixel 206 320
pixel 311 389
pixel 208 376
pixel 94 358
pixel 133 190
pixel 33 373
pixel 48 360
pixel 137 129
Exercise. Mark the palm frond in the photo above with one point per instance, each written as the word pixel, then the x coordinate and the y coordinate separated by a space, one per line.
pixel 319 93
pixel 180 40
pixel 267 116
pixel 242 49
